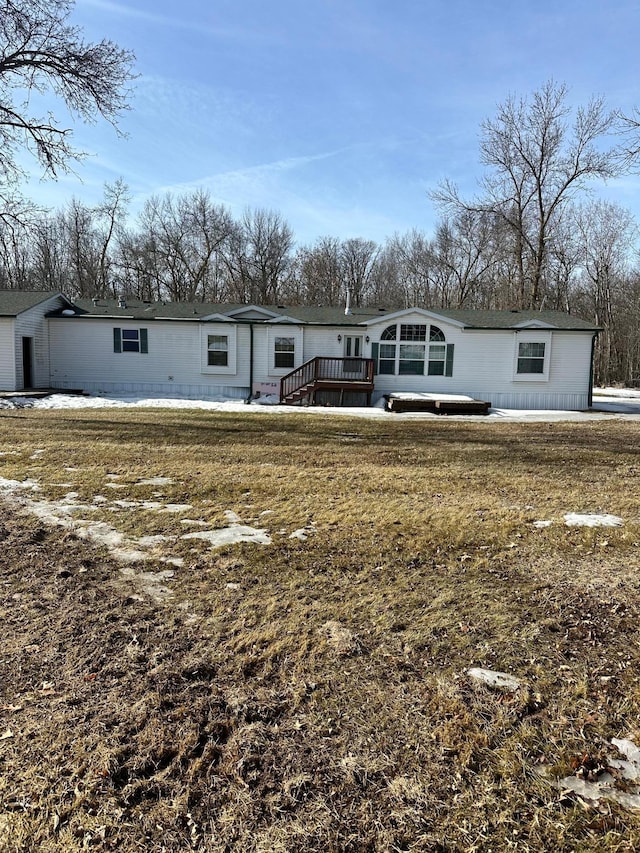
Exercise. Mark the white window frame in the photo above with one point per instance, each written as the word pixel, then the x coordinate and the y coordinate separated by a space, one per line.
pixel 417 338
pixel 227 330
pixel 283 330
pixel 532 337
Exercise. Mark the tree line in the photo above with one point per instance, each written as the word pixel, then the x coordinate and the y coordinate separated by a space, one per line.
pixel 533 237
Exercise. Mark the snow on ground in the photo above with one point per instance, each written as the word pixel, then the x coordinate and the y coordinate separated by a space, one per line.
pixel 68 512
pixel 607 402
pixel 585 519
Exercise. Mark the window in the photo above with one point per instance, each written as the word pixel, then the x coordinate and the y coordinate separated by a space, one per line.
pixel 387 358
pixel 413 332
pixel 411 361
pixel 437 353
pixel 531 357
pixel 130 340
pixel 284 352
pixel 218 344
pixel 403 350
pixel 437 359
pixel 217 350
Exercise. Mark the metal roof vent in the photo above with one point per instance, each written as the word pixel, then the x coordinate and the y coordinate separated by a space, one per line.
pixel 122 302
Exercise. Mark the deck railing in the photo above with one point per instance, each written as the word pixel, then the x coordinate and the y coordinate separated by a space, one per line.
pixel 323 369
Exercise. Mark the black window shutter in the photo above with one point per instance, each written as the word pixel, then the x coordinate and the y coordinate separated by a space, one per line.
pixel 117 340
pixel 144 341
pixel 374 356
pixel 448 367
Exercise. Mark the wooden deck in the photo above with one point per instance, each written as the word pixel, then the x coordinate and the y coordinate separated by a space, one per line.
pixel 437 405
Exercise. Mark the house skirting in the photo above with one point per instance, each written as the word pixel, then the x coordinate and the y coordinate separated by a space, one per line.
pixel 159 389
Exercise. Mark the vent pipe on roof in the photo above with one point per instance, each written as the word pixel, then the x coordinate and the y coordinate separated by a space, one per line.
pixel 347 307
pixel 122 303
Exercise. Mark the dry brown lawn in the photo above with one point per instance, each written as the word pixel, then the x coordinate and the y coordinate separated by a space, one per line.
pixel 312 694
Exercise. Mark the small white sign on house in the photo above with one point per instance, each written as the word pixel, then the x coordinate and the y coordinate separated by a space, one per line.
pixel 265 389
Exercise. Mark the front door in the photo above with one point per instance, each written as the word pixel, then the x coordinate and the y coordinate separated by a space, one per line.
pixel 353 355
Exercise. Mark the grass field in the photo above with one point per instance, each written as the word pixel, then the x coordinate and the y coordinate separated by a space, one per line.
pixel 312 693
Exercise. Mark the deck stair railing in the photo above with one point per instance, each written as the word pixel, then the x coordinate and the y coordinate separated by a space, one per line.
pixel 344 374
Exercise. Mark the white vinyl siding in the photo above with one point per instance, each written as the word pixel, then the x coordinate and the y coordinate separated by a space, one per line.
pixel 34 324
pixel 7 354
pixel 176 363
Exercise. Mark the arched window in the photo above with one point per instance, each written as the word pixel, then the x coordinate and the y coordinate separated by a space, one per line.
pixel 414 349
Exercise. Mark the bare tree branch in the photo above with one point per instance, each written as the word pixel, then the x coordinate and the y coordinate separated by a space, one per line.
pixel 41 52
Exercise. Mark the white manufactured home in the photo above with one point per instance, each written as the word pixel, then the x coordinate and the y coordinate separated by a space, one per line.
pixel 300 354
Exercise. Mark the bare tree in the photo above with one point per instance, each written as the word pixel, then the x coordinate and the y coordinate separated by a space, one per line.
pixel 258 258
pixel 111 214
pixel 357 260
pixel 181 245
pixel 537 163
pixel 317 278
pixel 606 234
pixel 40 51
pixel 408 263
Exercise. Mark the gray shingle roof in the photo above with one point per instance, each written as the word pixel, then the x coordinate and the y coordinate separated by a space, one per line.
pixel 14 302
pixel 333 316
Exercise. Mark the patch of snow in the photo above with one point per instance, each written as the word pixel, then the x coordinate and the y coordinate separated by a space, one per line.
pixel 12 485
pixel 178 562
pixel 155 481
pixel 37 454
pixel 303 533
pixel 176 507
pixel 410 395
pixel 631 767
pixel 232 517
pixel 492 678
pixel 151 541
pixel 625 403
pixel 231 535
pixel 198 522
pixel 267 400
pixel 542 523
pixel 590 519
pixel 604 787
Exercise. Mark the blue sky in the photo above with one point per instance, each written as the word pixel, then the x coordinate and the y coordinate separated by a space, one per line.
pixel 339 114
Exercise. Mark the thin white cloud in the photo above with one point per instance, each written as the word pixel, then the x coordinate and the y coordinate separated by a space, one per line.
pixel 191 24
